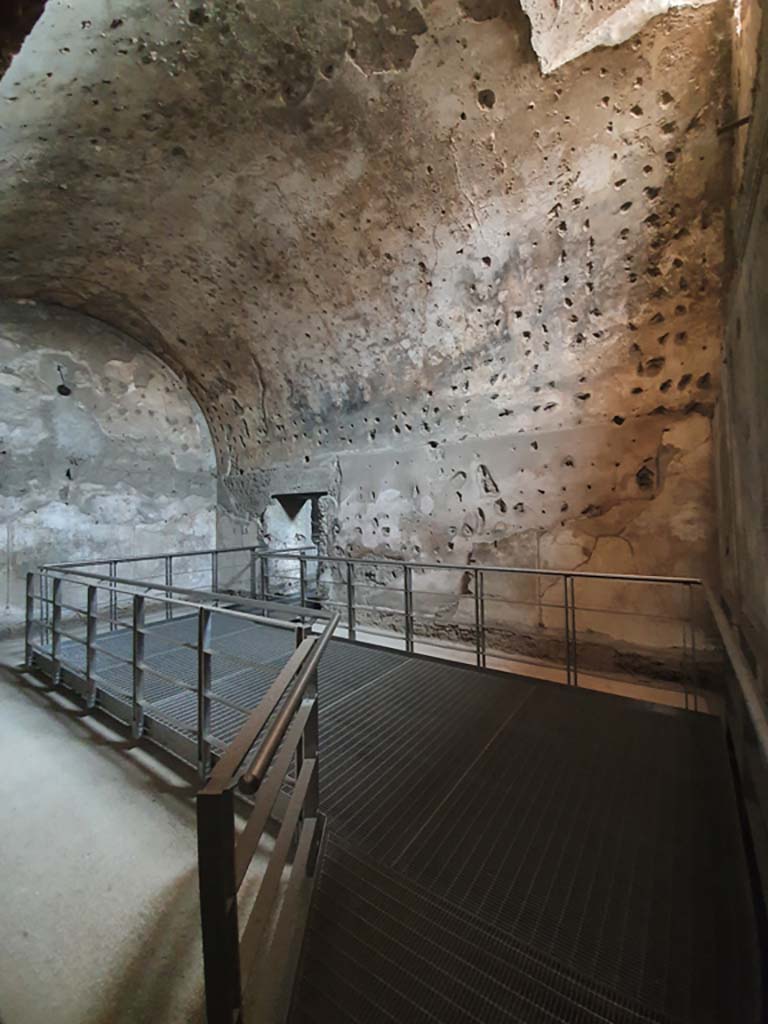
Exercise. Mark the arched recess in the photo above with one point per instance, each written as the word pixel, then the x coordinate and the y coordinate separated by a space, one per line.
pixel 103 450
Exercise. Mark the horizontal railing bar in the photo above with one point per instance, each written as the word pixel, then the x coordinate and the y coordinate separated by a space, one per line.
pixel 192 592
pixel 254 774
pixel 250 837
pixel 227 766
pixel 71 636
pixel 174 554
pixel 217 697
pixel 482 567
pixel 262 907
pixel 367 607
pixel 71 608
pixel 144 585
pixel 109 654
pixel 416 614
pixel 167 718
pixel 253 662
pixel 296 553
pixel 70 666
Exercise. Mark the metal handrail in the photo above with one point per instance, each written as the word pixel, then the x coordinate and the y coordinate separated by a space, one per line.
pixel 253 776
pixel 235 959
pixel 346 572
pixel 485 567
pixel 172 554
pixel 212 595
pixel 350 574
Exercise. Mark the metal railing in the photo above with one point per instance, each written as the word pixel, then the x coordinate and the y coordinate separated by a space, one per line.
pixel 488 611
pixel 275 747
pixel 236 971
pixel 234 569
pixel 608 624
pixel 108 638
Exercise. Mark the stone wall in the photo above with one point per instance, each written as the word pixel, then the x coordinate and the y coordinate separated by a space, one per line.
pixel 742 420
pixel 102 451
pixel 477 305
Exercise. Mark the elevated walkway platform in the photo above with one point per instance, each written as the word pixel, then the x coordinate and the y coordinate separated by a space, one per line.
pixel 498 848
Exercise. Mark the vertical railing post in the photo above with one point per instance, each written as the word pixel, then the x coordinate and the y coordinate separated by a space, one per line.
pixel 45 608
pixel 264 577
pixel 112 595
pixel 567 613
pixel 574 649
pixel 252 557
pixel 203 692
pixel 351 631
pixel 685 663
pixel 29 620
pixel 137 724
pixel 308 748
pixel 408 606
pixel 483 638
pixel 478 618
pixel 311 750
pixel 218 906
pixel 56 630
pixel 91 625
pixel 302 581
pixel 694 664
pixel 301 633
pixel 215 571
pixel 169 583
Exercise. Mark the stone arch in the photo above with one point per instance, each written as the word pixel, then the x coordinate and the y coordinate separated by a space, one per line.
pixel 102 447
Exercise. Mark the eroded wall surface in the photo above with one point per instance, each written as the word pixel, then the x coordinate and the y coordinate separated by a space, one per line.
pixel 102 451
pixel 742 419
pixel 479 306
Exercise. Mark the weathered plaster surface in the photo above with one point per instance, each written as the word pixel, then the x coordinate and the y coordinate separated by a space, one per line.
pixel 385 251
pixel 566 29
pixel 102 451
pixel 742 419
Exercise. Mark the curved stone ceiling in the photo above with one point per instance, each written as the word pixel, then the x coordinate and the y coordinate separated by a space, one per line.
pixel 353 220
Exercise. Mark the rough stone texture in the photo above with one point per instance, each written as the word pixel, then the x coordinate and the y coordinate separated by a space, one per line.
pixel 102 451
pixel 742 420
pixel 565 30
pixel 387 254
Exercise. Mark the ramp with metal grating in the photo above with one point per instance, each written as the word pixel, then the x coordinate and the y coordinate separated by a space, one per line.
pixel 379 947
pixel 554 841
pixel 500 848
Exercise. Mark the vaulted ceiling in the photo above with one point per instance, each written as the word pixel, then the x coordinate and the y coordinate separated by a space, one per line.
pixel 325 215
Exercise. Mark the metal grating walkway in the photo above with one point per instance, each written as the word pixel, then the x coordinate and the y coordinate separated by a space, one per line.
pixel 501 849
pixel 509 849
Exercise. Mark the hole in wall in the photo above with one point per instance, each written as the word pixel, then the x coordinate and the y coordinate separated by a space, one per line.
pixel 63 388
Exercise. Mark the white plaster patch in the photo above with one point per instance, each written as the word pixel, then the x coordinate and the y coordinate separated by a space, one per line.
pixel 562 32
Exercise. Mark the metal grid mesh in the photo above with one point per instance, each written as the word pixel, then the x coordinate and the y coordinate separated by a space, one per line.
pixel 600 833
pixel 515 850
pixel 246 659
pixel 380 947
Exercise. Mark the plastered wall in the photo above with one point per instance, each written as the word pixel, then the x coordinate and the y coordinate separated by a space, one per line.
pixel 102 451
pixel 479 306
